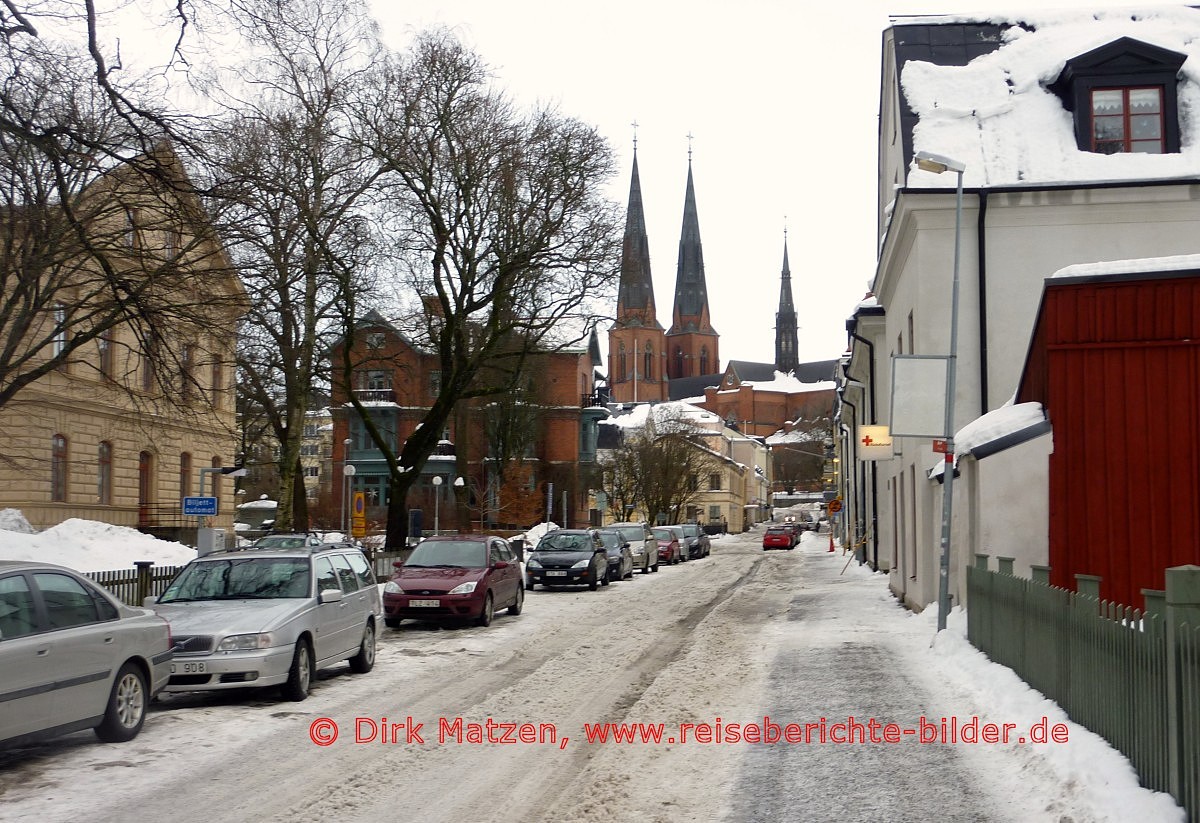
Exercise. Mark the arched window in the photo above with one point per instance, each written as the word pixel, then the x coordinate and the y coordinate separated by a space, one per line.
pixel 648 371
pixel 185 474
pixel 704 359
pixel 623 371
pixel 145 478
pixel 104 473
pixel 679 362
pixel 58 469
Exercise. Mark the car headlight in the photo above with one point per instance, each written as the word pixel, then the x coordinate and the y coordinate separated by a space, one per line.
pixel 392 587
pixel 532 563
pixel 244 642
pixel 582 564
pixel 463 588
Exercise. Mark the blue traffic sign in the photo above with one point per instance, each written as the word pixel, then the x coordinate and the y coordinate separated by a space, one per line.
pixel 199 506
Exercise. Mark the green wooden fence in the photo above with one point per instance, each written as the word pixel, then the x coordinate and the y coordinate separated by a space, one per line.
pixel 1130 676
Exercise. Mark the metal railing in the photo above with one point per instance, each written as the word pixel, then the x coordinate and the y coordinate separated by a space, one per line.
pixel 1130 676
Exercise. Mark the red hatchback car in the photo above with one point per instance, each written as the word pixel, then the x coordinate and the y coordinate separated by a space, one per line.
pixel 455 576
pixel 779 537
pixel 670 547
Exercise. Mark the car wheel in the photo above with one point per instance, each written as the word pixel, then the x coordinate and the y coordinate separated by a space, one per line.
pixel 654 568
pixel 364 661
pixel 519 604
pixel 300 674
pixel 604 581
pixel 530 585
pixel 126 710
pixel 392 622
pixel 593 583
pixel 487 612
pixel 646 566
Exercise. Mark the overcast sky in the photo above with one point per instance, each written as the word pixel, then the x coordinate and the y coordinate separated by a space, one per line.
pixel 781 98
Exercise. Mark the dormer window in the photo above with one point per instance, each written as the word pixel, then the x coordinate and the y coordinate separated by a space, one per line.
pixel 1124 96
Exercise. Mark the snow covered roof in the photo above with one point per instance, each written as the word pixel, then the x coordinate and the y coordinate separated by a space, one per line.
pixel 999 429
pixel 998 116
pixel 1179 262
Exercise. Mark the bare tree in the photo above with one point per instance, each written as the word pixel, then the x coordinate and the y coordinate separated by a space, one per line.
pixel 657 467
pixel 97 236
pixel 295 197
pixel 503 236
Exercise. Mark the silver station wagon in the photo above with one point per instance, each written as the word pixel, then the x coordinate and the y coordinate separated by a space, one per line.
pixel 270 617
pixel 74 657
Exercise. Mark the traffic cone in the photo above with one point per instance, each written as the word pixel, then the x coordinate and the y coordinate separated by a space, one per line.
pixel 831 539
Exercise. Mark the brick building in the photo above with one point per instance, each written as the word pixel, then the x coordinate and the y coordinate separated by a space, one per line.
pixel 553 420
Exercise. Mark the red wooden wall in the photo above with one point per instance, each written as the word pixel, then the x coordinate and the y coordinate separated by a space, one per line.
pixel 1116 364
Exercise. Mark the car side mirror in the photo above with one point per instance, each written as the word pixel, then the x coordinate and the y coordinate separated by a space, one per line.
pixel 500 564
pixel 147 602
pixel 397 564
pixel 329 596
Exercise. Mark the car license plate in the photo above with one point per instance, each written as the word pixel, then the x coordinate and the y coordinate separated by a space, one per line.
pixel 556 574
pixel 430 604
pixel 188 668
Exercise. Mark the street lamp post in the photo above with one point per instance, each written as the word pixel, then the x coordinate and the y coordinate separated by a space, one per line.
pixel 345 465
pixel 437 497
pixel 938 164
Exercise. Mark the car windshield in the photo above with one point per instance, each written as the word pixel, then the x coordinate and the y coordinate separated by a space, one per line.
pixel 240 578
pixel 610 540
pixel 565 543
pixel 634 534
pixel 281 541
pixel 664 534
pixel 461 554
pixel 691 530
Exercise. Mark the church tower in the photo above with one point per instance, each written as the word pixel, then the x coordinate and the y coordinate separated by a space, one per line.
pixel 636 345
pixel 786 340
pixel 692 341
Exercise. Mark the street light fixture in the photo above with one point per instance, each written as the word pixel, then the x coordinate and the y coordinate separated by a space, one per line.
pixel 437 498
pixel 937 164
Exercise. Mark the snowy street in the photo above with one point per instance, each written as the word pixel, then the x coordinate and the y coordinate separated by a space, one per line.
pixel 736 638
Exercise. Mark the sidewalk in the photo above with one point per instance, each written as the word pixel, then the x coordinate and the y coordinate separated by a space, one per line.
pixel 849 650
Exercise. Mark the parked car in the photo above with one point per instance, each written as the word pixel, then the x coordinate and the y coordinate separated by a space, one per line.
pixel 620 557
pixel 270 617
pixel 455 577
pixel 287 541
pixel 697 543
pixel 642 545
pixel 670 545
pixel 74 657
pixel 779 536
pixel 568 557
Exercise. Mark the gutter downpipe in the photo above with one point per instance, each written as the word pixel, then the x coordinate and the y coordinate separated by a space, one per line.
pixel 852 436
pixel 874 476
pixel 981 267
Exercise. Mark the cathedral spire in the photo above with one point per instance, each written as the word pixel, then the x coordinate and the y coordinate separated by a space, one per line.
pixel 635 292
pixel 691 341
pixel 786 341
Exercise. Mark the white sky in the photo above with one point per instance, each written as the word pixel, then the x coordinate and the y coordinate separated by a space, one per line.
pixel 770 90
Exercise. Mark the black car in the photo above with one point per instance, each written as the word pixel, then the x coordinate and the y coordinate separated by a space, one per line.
pixel 568 557
pixel 698 543
pixel 620 556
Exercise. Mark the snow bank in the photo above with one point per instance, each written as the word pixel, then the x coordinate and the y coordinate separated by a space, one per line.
pixel 86 545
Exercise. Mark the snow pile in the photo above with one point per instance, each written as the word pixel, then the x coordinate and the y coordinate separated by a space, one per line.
pixel 86 545
pixel 13 520
pixel 997 116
